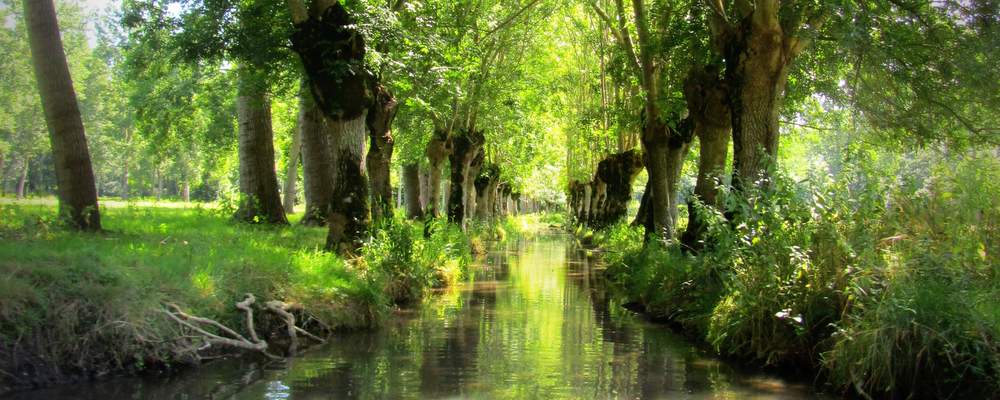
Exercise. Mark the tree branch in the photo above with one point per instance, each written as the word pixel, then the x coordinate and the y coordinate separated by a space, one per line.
pixel 510 19
pixel 621 36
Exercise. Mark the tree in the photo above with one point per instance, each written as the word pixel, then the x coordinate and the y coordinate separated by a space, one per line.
pixel 332 53
pixel 258 179
pixel 74 173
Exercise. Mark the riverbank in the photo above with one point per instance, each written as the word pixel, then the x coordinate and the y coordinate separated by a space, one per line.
pixel 880 301
pixel 82 306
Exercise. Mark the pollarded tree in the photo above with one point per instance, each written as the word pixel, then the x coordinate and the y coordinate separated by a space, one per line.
pixel 332 52
pixel 74 172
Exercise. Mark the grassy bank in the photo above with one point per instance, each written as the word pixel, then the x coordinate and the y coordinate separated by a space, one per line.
pixel 75 306
pixel 884 288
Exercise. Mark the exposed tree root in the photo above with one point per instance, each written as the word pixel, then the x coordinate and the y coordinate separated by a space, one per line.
pixel 231 338
pixel 282 310
pixel 228 337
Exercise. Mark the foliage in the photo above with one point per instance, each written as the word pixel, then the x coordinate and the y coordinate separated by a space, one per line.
pixel 87 304
pixel 887 292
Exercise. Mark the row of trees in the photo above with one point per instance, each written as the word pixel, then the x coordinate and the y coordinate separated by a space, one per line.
pixel 734 70
pixel 468 104
pixel 175 75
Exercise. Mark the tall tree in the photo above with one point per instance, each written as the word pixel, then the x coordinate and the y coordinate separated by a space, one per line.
pixel 332 53
pixel 74 172
pixel 260 200
pixel 317 167
pixel 759 41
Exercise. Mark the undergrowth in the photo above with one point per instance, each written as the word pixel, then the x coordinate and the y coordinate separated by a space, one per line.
pixel 887 288
pixel 76 306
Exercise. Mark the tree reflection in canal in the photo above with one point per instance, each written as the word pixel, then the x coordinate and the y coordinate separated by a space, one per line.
pixel 532 321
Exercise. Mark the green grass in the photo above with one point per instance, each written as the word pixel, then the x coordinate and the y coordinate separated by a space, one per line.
pixel 83 304
pixel 885 289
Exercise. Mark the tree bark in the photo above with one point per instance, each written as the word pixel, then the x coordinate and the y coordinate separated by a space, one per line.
pixel 77 190
pixel 665 149
pixel 706 96
pixel 758 46
pixel 186 191
pixel 260 202
pixel 126 166
pixel 465 149
pixel 617 173
pixel 470 190
pixel 326 36
pixel 317 166
pixel 438 149
pixel 292 167
pixel 350 215
pixel 425 189
pixel 486 186
pixel 22 180
pixel 379 122
pixel 411 182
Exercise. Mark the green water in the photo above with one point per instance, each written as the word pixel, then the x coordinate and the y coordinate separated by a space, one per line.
pixel 532 321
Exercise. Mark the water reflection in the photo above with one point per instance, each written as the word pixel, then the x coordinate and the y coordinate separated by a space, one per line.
pixel 532 321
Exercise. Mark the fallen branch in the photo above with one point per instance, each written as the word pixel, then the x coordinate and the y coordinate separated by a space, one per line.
pixel 281 309
pixel 227 336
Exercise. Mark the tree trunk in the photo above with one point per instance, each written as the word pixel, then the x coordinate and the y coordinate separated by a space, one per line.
pixel 425 190
pixel 707 101
pixel 617 173
pixel 327 35
pixel 758 54
pixel 292 168
pixel 317 166
pixel 186 191
pixel 379 122
pixel 126 166
pixel 22 180
pixel 260 202
pixel 470 190
pixel 350 214
pixel 74 172
pixel 642 216
pixel 411 182
pixel 438 149
pixel 486 185
pixel 157 180
pixel 665 148
pixel 465 149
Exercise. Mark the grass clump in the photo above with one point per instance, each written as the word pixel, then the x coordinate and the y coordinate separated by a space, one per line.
pixel 887 288
pixel 75 306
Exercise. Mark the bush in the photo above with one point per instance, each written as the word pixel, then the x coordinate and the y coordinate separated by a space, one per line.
pixel 889 287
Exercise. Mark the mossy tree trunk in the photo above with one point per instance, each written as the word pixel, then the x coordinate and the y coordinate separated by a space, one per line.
pixel 260 202
pixel 759 44
pixel 332 53
pixel 292 168
pixel 617 173
pixel 465 149
pixel 411 183
pixel 317 167
pixel 77 190
pixel 379 123
pixel 707 102
pixel 438 150
pixel 486 187
pixel 350 214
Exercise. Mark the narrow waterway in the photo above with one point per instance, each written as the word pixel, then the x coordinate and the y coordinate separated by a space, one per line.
pixel 532 321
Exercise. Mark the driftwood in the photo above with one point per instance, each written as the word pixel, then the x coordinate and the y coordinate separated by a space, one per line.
pixel 228 337
pixel 282 310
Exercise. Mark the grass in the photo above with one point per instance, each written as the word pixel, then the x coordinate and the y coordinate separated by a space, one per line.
pixel 887 289
pixel 79 305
